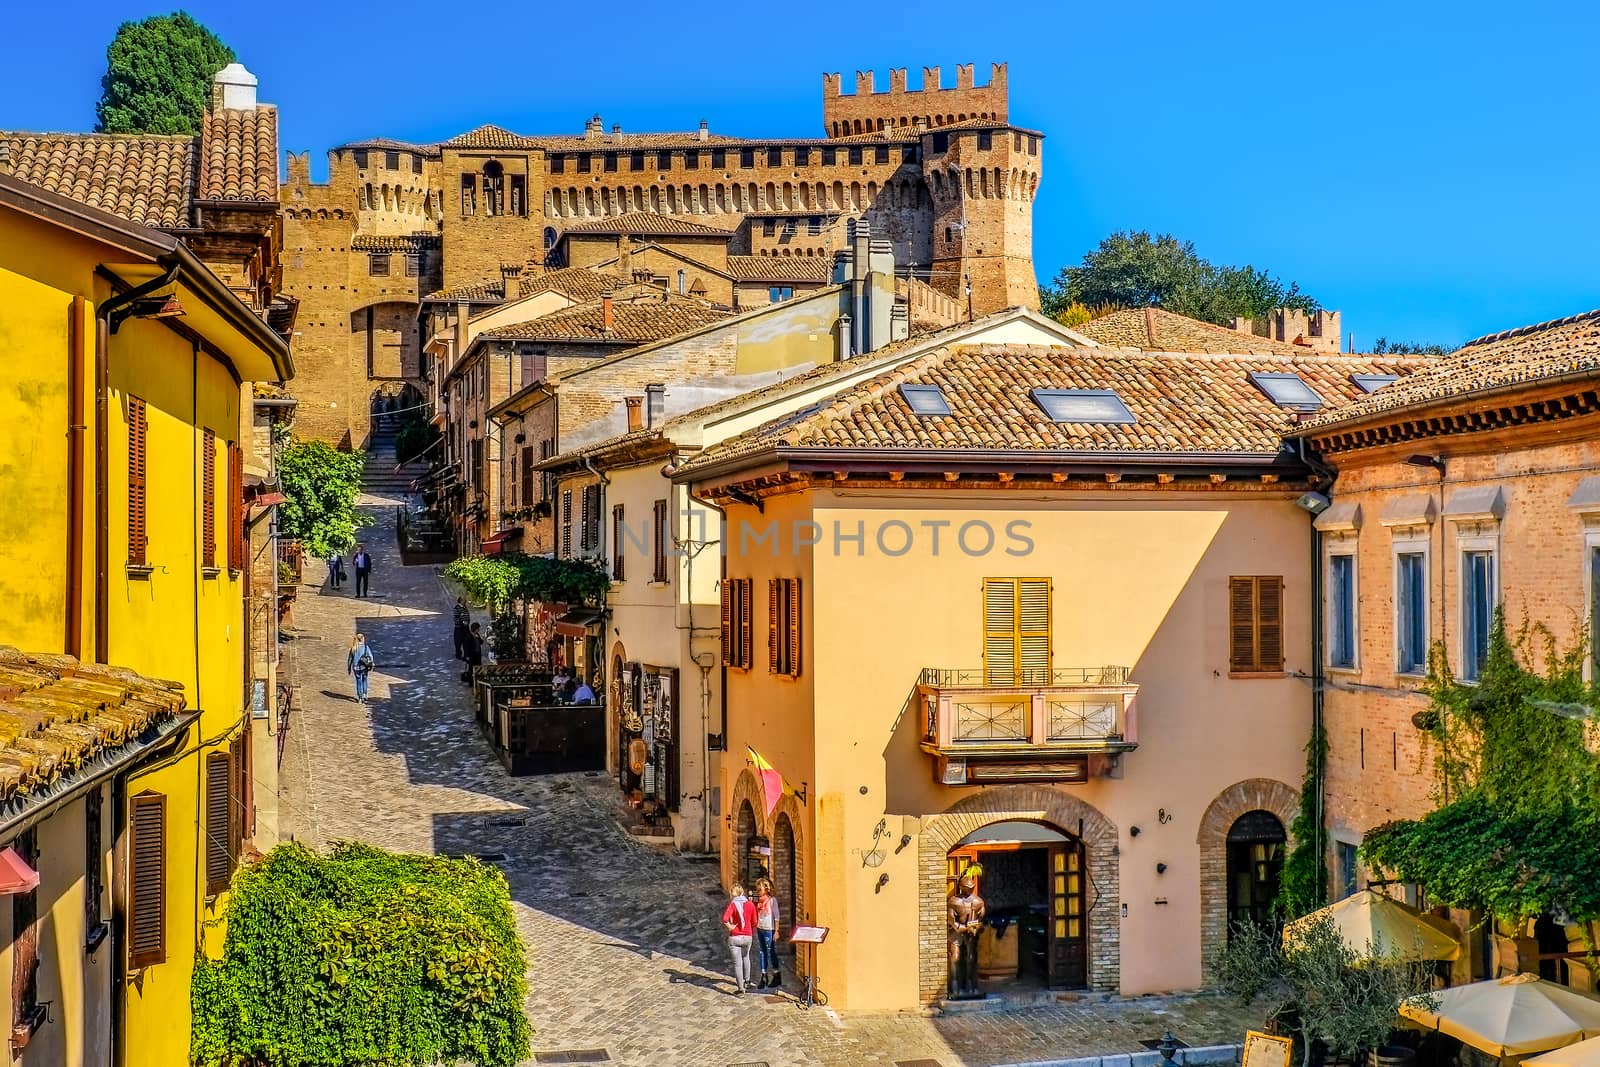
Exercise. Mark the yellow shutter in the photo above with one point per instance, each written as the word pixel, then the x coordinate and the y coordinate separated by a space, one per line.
pixel 999 631
pixel 1033 630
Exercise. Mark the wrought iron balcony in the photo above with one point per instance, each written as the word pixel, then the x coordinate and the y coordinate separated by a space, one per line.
pixel 1063 724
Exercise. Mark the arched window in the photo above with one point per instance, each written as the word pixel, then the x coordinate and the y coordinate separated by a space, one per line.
pixel 493 188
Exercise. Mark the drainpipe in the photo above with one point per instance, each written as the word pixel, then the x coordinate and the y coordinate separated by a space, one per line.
pixel 73 643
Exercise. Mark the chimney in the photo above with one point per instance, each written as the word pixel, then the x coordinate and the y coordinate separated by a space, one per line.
pixel 655 402
pixel 593 129
pixel 635 412
pixel 234 89
pixel 510 289
pixel 1150 328
pixel 616 128
pixel 845 333
pixel 607 316
pixel 705 131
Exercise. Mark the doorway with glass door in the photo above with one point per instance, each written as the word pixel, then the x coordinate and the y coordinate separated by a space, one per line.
pixel 1030 876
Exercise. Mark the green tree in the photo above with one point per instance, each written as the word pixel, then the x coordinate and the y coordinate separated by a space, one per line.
pixel 321 485
pixel 1134 269
pixel 363 958
pixel 158 75
pixel 1384 346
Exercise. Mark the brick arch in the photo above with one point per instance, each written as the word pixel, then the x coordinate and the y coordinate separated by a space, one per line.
pixel 1039 803
pixel 1252 794
pixel 746 787
pixel 793 906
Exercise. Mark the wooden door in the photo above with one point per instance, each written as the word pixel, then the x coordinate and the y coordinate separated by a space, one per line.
pixel 1067 933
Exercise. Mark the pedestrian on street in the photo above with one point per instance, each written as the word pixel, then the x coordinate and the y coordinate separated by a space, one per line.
pixel 363 564
pixel 768 925
pixel 360 663
pixel 335 569
pixel 473 652
pixel 739 919
pixel 463 626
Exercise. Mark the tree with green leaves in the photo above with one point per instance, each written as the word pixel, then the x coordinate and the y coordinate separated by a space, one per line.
pixel 158 75
pixel 1383 346
pixel 1134 269
pixel 321 485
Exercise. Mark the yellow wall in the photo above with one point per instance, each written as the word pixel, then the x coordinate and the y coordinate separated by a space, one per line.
pixel 1140 580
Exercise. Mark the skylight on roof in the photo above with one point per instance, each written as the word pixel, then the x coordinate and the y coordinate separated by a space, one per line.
pixel 1371 383
pixel 1083 405
pixel 1287 391
pixel 925 399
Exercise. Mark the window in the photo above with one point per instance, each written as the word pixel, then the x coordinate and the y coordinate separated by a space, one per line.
pixel 1347 868
pixel 788 227
pixel 747 157
pixel 783 626
pixel 236 537
pixel 610 161
pixel 1083 405
pixel 414 259
pixel 1287 391
pixel 566 523
pixel 558 164
pixel 1342 611
pixel 985 140
pixel 519 195
pixel 780 293
pixel 527 474
pixel 1255 625
pixel 616 543
pixel 855 157
pixel 494 188
pixel 1477 611
pixel 25 942
pixel 660 538
pixel 769 227
pixel 469 194
pixel 636 161
pixel 1371 383
pixel 1411 612
pixel 391 160
pixel 584 162
pixel 591 517
pixel 416 164
pixel 138 466
pixel 691 159
pixel 941 142
pixel 378 264
pixel 829 156
pixel 802 157
pixel 1033 145
pixel 813 226
pixel 221 825
pixel 1016 631
pixel 95 926
pixel 359 157
pixel 925 399
pixel 736 623
pixel 208 499
pixel 774 157
pixel 663 161
pixel 719 158
pixel 147 895
pixel 880 154
pixel 683 283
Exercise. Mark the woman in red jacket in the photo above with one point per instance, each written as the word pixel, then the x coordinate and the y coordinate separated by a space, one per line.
pixel 739 919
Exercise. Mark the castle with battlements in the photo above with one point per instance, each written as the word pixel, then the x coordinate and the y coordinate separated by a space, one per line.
pixel 939 172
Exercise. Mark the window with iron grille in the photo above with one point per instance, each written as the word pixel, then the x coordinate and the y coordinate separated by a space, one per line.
pixel 736 623
pixel 616 543
pixel 138 466
pixel 660 537
pixel 783 626
pixel 1255 624
pixel 566 523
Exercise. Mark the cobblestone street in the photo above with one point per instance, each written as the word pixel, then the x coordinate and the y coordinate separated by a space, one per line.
pixel 623 940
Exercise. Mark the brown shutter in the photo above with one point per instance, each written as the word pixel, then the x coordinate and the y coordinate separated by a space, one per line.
pixel 1269 623
pixel 1241 624
pixel 728 600
pixel 237 553
pixel 219 821
pixel 794 628
pixel 147 878
pixel 138 436
pixel 772 625
pixel 746 609
pixel 208 499
pixel 616 543
pixel 527 474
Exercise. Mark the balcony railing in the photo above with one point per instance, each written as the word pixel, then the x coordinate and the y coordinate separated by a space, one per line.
pixel 1060 724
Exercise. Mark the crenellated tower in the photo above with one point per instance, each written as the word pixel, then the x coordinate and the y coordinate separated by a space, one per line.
pixel 866 110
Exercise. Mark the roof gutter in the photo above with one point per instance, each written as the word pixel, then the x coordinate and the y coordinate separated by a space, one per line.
pixel 1414 409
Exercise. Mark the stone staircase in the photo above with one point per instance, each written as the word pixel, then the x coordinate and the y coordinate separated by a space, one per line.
pixel 382 477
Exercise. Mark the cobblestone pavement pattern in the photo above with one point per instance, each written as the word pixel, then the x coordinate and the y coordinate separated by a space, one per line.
pixel 623 939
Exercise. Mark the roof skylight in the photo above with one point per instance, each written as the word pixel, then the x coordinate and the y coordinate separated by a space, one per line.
pixel 925 399
pixel 1083 405
pixel 1287 391
pixel 1371 383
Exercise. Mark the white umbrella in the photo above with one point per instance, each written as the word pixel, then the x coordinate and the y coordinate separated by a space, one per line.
pixel 1511 1016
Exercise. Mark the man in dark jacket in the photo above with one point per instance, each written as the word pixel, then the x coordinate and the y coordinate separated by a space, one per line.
pixel 474 651
pixel 362 561
pixel 463 626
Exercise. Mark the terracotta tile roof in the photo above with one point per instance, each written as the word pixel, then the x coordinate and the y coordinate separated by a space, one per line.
pixel 1526 355
pixel 239 154
pixel 624 142
pixel 1194 403
pixel 636 318
pixel 408 242
pixel 146 179
pixel 490 136
pixel 389 144
pixel 58 716
pixel 1156 330
pixel 781 268
pixel 647 222
pixel 579 283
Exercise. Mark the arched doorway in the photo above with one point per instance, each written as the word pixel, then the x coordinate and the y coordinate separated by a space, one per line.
pixel 1256 847
pixel 744 863
pixel 783 870
pixel 1032 880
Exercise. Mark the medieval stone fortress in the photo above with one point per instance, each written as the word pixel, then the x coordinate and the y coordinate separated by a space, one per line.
pixel 939 172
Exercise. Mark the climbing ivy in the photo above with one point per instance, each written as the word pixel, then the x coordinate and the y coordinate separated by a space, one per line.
pixel 361 958
pixel 1303 887
pixel 1517 832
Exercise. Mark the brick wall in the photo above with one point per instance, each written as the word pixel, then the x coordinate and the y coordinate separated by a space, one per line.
pixel 867 109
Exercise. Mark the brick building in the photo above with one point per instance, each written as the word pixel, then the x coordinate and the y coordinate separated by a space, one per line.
pixel 939 172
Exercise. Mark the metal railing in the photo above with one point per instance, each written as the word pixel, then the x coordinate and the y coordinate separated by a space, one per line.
pixel 1022 678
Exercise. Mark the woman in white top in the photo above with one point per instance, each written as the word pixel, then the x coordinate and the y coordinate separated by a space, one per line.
pixel 768 926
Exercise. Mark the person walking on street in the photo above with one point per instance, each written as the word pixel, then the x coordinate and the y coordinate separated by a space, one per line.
pixel 360 663
pixel 739 919
pixel 768 924
pixel 335 569
pixel 473 652
pixel 363 564
pixel 463 626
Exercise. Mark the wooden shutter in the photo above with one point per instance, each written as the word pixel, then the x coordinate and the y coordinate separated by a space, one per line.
pixel 237 553
pixel 1000 631
pixel 616 543
pixel 746 609
pixel 584 542
pixel 1033 630
pixel 728 598
pixel 1269 623
pixel 147 878
pixel 661 537
pixel 138 437
pixel 793 625
pixel 772 625
pixel 1255 624
pixel 208 499
pixel 527 474
pixel 219 821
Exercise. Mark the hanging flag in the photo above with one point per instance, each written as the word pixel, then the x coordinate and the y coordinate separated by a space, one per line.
pixel 772 784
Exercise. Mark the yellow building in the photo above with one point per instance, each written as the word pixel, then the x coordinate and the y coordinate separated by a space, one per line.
pixel 128 373
pixel 1042 608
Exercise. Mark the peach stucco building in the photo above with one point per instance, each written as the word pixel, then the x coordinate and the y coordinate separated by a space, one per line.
pixel 1045 608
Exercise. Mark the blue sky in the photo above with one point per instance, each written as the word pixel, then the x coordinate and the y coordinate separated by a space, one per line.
pixel 1429 169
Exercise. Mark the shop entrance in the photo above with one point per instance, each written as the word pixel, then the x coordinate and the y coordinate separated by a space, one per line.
pixel 1256 844
pixel 1032 884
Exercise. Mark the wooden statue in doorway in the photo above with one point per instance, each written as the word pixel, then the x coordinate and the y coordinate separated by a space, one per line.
pixel 965 916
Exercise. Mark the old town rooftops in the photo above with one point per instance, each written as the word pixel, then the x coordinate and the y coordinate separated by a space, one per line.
pixel 816 269
pixel 638 314
pixel 1526 356
pixel 1178 405
pixel 1155 330
pixel 578 283
pixel 647 223
pixel 63 722
pixel 493 137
